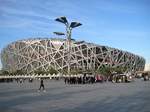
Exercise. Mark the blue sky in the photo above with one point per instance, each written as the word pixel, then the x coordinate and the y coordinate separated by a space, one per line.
pixel 123 24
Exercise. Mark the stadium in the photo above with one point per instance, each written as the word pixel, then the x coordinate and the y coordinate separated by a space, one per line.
pixel 41 53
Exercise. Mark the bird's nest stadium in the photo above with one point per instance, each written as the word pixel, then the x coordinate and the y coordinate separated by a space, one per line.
pixel 41 53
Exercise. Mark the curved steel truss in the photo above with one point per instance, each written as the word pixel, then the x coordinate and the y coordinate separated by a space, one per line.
pixel 33 54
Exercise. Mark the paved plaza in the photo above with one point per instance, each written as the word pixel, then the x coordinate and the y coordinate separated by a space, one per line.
pixel 60 97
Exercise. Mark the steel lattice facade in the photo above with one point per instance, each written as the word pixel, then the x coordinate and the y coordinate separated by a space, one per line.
pixel 33 54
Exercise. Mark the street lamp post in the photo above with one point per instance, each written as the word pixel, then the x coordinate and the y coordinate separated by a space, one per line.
pixel 69 27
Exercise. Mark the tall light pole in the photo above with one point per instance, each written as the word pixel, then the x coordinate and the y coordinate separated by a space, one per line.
pixel 69 27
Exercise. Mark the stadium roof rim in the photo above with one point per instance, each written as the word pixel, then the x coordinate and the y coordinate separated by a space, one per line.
pixel 62 39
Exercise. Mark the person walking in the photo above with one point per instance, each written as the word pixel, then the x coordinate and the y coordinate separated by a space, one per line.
pixel 42 85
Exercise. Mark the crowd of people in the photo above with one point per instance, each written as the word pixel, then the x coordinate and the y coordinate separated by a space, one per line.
pixel 83 79
pixel 18 80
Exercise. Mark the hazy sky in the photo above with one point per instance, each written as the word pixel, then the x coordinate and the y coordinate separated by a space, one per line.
pixel 123 24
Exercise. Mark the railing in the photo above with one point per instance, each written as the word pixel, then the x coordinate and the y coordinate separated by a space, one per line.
pixel 29 76
pixel 39 76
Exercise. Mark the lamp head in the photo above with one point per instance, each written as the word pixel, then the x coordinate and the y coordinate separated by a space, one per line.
pixel 62 19
pixel 58 33
pixel 75 24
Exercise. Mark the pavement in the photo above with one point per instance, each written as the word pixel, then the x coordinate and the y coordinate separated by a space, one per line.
pixel 60 97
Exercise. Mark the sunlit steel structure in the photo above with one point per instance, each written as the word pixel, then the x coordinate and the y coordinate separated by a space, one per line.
pixel 41 53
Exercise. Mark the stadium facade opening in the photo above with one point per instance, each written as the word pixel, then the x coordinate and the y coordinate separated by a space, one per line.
pixel 41 53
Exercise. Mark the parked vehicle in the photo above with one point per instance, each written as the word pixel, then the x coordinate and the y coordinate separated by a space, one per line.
pixel 146 76
pixel 120 78
pixel 100 78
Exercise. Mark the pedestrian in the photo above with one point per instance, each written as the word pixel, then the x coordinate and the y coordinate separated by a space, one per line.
pixel 42 85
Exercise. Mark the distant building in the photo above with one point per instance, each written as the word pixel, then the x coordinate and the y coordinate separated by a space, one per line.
pixel 32 54
pixel 147 67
